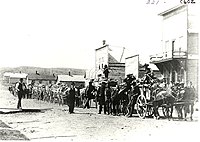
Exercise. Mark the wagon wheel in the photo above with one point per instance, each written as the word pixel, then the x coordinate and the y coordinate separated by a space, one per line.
pixel 141 106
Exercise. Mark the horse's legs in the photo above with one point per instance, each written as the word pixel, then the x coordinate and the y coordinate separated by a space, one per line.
pixel 110 105
pixel 130 107
pixel 169 113
pixel 179 111
pixel 114 108
pixel 118 108
pixel 192 111
pixel 155 109
pixel 185 108
pixel 172 109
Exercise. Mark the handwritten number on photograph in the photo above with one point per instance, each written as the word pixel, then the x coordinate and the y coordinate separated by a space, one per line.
pixel 187 1
pixel 153 1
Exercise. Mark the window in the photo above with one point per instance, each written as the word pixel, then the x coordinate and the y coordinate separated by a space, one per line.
pixel 173 76
pixel 181 43
pixel 99 60
pixel 173 45
pixel 166 48
pixel 180 75
pixel 102 59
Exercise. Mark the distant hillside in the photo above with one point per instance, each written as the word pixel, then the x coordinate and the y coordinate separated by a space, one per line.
pixel 31 70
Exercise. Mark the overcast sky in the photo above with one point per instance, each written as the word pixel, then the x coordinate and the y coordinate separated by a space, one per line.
pixel 65 33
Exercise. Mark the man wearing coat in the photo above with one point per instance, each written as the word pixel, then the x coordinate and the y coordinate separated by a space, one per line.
pixel 101 97
pixel 71 97
pixel 20 88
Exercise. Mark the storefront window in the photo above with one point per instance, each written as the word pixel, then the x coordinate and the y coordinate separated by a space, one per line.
pixel 181 75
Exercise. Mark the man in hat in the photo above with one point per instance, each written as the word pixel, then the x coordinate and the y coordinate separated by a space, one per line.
pixel 89 94
pixel 106 71
pixel 71 97
pixel 101 97
pixel 129 81
pixel 149 75
pixel 20 87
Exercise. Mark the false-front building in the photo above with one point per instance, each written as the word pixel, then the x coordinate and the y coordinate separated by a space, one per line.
pixel 110 57
pixel 180 45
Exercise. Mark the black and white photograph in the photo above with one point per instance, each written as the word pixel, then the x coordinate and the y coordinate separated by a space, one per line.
pixel 99 70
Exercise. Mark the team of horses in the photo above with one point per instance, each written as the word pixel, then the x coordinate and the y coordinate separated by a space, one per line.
pixel 169 98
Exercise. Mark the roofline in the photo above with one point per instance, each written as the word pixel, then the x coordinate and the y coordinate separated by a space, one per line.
pixel 101 47
pixel 171 9
pixel 132 56
pixel 116 63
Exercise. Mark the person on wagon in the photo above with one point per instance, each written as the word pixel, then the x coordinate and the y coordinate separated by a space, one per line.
pixel 106 71
pixel 129 81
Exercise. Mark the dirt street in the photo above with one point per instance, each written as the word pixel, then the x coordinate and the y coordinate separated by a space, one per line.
pixel 86 125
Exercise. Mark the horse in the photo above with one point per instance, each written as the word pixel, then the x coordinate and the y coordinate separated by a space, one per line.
pixel 165 98
pixel 119 100
pixel 186 98
pixel 132 98
pixel 115 101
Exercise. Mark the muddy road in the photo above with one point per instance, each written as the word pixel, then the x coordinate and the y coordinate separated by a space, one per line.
pixel 55 123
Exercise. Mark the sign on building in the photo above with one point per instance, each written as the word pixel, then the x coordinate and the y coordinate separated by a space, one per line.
pixel 132 65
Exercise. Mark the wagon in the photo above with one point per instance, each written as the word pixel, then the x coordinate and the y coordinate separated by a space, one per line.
pixel 144 103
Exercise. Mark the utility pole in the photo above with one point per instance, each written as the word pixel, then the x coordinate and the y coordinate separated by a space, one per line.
pixel 122 54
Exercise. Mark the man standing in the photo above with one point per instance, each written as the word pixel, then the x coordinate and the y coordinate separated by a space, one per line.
pixel 20 87
pixel 71 97
pixel 101 97
pixel 106 71
pixel 108 92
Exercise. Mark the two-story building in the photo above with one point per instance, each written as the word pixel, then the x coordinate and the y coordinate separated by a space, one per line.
pixel 110 57
pixel 180 45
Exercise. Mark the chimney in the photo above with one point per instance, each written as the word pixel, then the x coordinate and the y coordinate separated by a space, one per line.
pixel 104 42
pixel 36 72
pixel 69 73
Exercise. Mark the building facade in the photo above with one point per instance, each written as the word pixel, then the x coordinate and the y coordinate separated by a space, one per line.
pixel 37 78
pixel 180 45
pixel 79 80
pixel 13 78
pixel 103 57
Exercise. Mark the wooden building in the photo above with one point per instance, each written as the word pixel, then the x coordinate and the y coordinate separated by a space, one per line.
pixel 79 80
pixel 13 78
pixel 38 78
pixel 107 56
pixel 180 45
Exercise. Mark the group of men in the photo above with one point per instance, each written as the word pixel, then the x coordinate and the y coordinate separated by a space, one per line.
pixel 104 91
pixel 71 94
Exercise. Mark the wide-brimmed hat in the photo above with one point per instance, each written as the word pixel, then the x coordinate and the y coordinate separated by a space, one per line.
pixel 129 75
